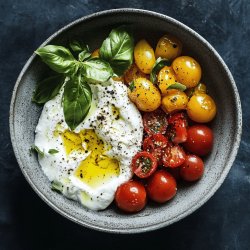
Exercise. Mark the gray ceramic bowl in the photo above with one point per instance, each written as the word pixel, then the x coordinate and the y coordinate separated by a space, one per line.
pixel 227 125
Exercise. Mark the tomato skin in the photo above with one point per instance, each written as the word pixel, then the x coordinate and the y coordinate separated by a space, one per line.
pixel 199 140
pixel 161 186
pixel 131 196
pixel 155 122
pixel 155 144
pixel 201 108
pixel 175 172
pixel 188 71
pixel 177 129
pixel 144 94
pixel 144 164
pixel 173 156
pixel 192 169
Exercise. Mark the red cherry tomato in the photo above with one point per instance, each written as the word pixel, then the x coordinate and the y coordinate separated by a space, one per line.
pixel 199 140
pixel 161 186
pixel 144 164
pixel 131 196
pixel 155 122
pixel 173 156
pixel 192 169
pixel 155 144
pixel 177 128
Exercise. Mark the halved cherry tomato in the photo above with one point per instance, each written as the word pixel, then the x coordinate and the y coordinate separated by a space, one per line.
pixel 192 169
pixel 161 186
pixel 199 140
pixel 177 128
pixel 173 156
pixel 144 164
pixel 155 122
pixel 131 196
pixel 155 144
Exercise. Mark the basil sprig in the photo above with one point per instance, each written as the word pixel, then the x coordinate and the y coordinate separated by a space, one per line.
pixel 118 49
pixel 159 64
pixel 116 55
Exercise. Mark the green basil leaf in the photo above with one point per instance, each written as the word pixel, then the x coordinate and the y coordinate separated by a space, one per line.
pixel 118 50
pixel 39 151
pixel 81 49
pixel 96 70
pixel 58 58
pixel 53 151
pixel 77 98
pixel 77 46
pixel 131 86
pixel 159 64
pixel 48 89
pixel 83 56
pixel 178 86
pixel 56 186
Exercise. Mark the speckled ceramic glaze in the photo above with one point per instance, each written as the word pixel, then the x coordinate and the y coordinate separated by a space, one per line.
pixel 227 125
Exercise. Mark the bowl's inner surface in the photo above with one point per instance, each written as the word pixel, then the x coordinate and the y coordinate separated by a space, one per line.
pixel 151 27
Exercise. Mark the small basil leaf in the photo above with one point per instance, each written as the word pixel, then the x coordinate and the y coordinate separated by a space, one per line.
pixel 131 86
pixel 77 46
pixel 77 98
pixel 48 89
pixel 84 55
pixel 96 70
pixel 58 58
pixel 39 151
pixel 118 49
pixel 178 86
pixel 56 186
pixel 53 151
pixel 159 64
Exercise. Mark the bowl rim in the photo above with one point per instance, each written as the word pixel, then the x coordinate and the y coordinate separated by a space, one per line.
pixel 206 197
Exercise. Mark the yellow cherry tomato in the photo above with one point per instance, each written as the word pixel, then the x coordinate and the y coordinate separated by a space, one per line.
pixel 144 56
pixel 95 53
pixel 168 47
pixel 133 73
pixel 201 108
pixel 144 94
pixel 200 88
pixel 187 70
pixel 174 100
pixel 166 77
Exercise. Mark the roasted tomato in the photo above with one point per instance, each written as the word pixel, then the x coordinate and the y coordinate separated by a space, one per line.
pixel 187 70
pixel 155 144
pixel 192 169
pixel 165 78
pixel 174 100
pixel 133 73
pixel 144 94
pixel 131 196
pixel 161 186
pixel 199 140
pixel 144 164
pixel 95 53
pixel 201 108
pixel 173 156
pixel 177 128
pixel 155 122
pixel 144 56
pixel 168 47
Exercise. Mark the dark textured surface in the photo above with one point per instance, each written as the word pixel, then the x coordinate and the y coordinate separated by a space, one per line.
pixel 26 222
